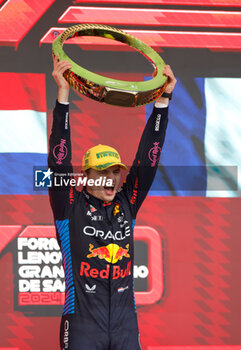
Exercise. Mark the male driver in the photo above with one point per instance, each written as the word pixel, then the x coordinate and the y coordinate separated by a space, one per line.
pixel 95 229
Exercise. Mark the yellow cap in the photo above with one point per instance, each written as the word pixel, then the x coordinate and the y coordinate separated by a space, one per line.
pixel 101 157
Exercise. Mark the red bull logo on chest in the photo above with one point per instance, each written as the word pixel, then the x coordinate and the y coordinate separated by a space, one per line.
pixel 117 272
pixel 111 253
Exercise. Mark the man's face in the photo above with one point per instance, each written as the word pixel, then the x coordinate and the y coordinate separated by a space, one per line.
pixel 105 193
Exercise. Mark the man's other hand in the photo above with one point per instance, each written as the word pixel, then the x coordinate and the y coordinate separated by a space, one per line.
pixel 63 86
pixel 171 82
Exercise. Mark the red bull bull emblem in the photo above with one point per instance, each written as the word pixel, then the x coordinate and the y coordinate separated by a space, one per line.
pixel 116 209
pixel 111 253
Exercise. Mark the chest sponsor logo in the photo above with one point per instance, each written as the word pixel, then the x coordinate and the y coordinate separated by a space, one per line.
pixel 97 218
pixel 111 253
pixel 89 289
pixel 117 235
pixel 94 217
pixel 106 273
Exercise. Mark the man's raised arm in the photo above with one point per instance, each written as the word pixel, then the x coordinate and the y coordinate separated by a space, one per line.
pixel 59 157
pixel 144 167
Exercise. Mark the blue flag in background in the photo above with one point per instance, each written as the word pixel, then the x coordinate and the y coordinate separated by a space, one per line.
pixel 201 155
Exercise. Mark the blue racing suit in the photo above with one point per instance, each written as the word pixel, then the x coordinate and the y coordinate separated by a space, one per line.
pixel 96 240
